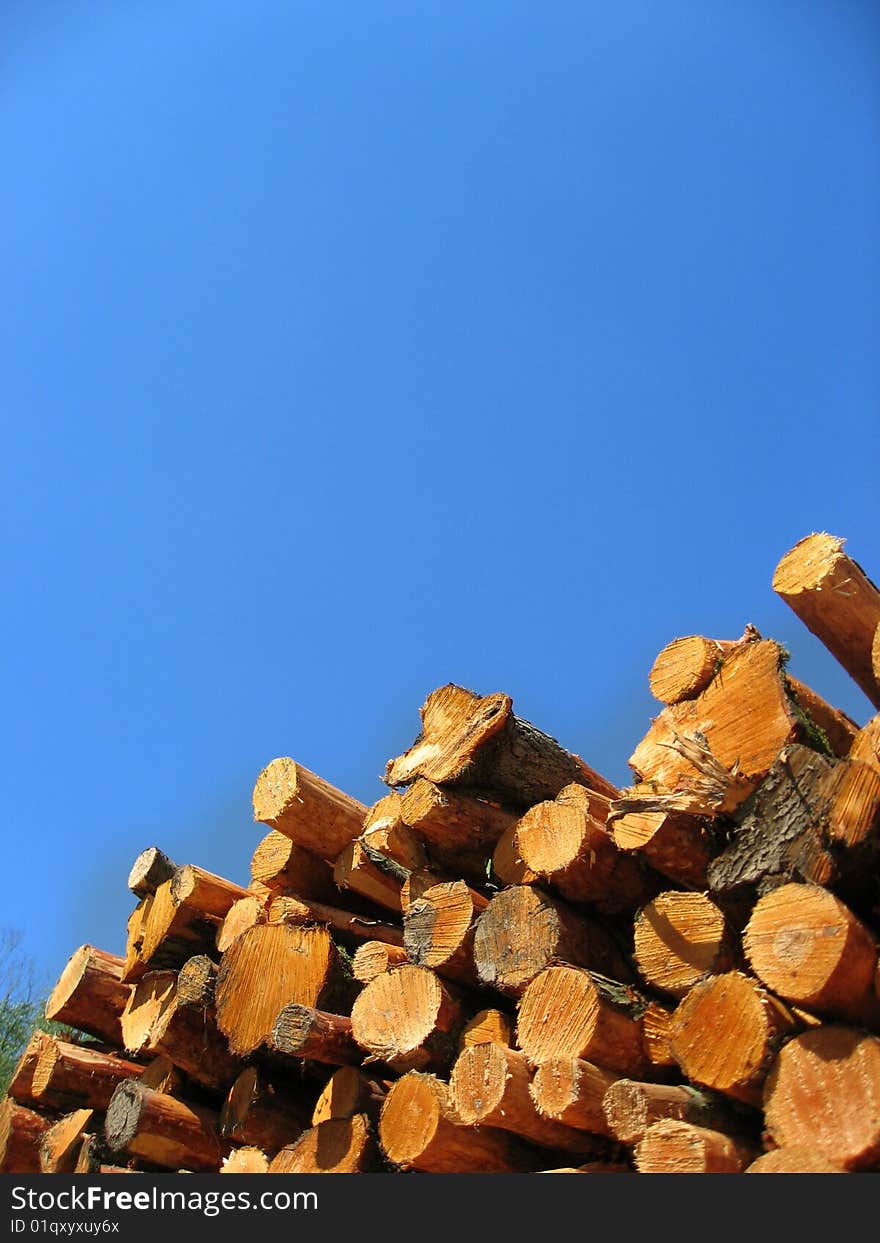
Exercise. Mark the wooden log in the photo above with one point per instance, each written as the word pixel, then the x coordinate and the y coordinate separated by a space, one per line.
pixel 419 1130
pixel 836 730
pixel 61 1143
pixel 438 930
pixel 247 1160
pixel 385 831
pixel 347 1092
pixel 573 853
pixel 244 914
pixel 508 867
pixel 656 1024
pixel 21 1084
pixel 150 870
pixel 631 1107
pixel 851 796
pixel 173 932
pixel 20 1133
pixel 418 883
pixel 151 997
pixel 163 1130
pixel 162 1075
pixel 72 1076
pixel 572 1091
pixel 792 1161
pixel 307 809
pixel 823 1093
pixel 266 969
pixel 211 896
pixel 809 948
pixel 261 1113
pixel 834 599
pixel 93 1158
pixel 726 1032
pixel 301 1031
pixel 673 1147
pixel 196 982
pixel 686 666
pixel 367 873
pixel 866 744
pixel 338 1146
pixel 523 930
pixel 680 938
pixel 373 957
pixel 133 968
pixel 489 1086
pixel 409 1019
pixel 90 995
pixel 477 743
pixel 676 844
pixel 487 1027
pixel 283 866
pixel 459 830
pixel 569 1012
pixel 351 927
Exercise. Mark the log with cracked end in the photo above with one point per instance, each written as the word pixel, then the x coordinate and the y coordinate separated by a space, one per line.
pixel 150 869
pixel 308 809
pixel 21 1082
pixel 72 1076
pixel 438 930
pixel 572 1091
pixel 302 1031
pixel 679 939
pixel 408 1018
pixel 62 1142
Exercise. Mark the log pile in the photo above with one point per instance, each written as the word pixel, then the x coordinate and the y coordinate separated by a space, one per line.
pixel 507 964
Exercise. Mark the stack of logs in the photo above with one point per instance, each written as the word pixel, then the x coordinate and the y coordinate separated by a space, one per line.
pixel 506 963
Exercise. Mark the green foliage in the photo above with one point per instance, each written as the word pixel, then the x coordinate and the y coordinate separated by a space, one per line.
pixel 22 1004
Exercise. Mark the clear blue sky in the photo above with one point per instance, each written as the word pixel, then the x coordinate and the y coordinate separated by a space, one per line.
pixel 349 349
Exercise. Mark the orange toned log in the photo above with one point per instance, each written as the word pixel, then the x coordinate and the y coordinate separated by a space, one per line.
pixel 247 1160
pixel 339 1146
pixel 163 1130
pixel 419 1130
pixel 244 914
pixel 866 744
pixel 364 871
pixel 836 729
pixel 61 1143
pixel 489 1086
pixel 266 969
pixel 408 1019
pixel 675 844
pixel 71 1076
pixel 680 938
pixel 836 601
pixel 133 968
pixel 726 1032
pixel 196 982
pixel 90 995
pixel 631 1107
pixel 523 930
pixel 672 1147
pixel 384 830
pixel 173 932
pixel 202 891
pixel 20 1133
pixel 792 1161
pixel 567 1012
pixel 374 957
pixel 301 1031
pixel 823 1093
pixel 656 1035
pixel 151 997
pixel 347 1092
pixel 438 930
pixel 93 1158
pixel 570 1090
pixel 851 796
pixel 508 867
pixel 351 927
pixel 809 948
pixel 261 1113
pixel 487 1027
pixel 307 809
pixel 453 825
pixel 570 851
pixel 685 667
pixel 283 866
pixel 163 1076
pixel 478 744
pixel 21 1085
pixel 150 870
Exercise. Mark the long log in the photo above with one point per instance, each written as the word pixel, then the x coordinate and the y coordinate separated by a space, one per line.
pixel 71 1076
pixel 477 743
pixel 338 1146
pixel 306 808
pixel 438 930
pixel 508 867
pixel 673 1147
pixel 680 938
pixel 457 829
pixel 836 600
pixel 173 931
pixel 631 1107
pixel 686 666
pixel 365 872
pixel 21 1130
pixel 301 1031
pixel 261 1113
pixel 351 926
pixel 676 844
pixel 90 995
pixel 163 1130
pixel 211 896
pixel 283 866
pixel 409 1019
pixel 572 1091
pixel 61 1143
pixel 150 870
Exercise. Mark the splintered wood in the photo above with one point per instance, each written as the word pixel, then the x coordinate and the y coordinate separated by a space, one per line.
pixel 505 963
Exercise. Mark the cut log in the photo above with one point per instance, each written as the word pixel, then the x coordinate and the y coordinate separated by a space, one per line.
pixel 373 957
pixel 656 1037
pixel 675 844
pixel 351 927
pixel 307 809
pixel 211 896
pixel 457 829
pixel 244 914
pixel 93 1158
pixel 477 743
pixel 90 995
pixel 823 1093
pixel 72 1076
pixel 347 1092
pixel 301 1031
pixel 173 932
pixel 836 730
pixel 339 1146
pixel 569 1012
pixel 21 1084
pixel 523 930
pixel 487 1027
pixel 247 1160
pixel 20 1133
pixel 631 1107
pixel 792 1161
pixel 163 1076
pixel 61 1143
pixel 680 938
pixel 266 969
pixel 809 948
pixel 408 1019
pixel 685 667
pixel 508 867
pixel 150 870
pixel 151 997
pixel 367 873
pixel 163 1130
pixel 419 1130
pixel 570 1090
pixel 672 1147
pixel 283 866
pixel 384 830
pixel 851 792
pixel 726 1032
pixel 489 1086
pixel 263 1114
pixel 133 968
pixel 866 744
pixel 438 930
pixel 834 599
pixel 196 982
pixel 573 853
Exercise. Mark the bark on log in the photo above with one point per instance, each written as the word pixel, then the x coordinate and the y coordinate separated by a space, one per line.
pixel 347 1092
pixel 339 1146
pixel 71 1076
pixel 209 895
pixel 834 599
pixel 367 873
pixel 631 1107
pixel 150 870
pixel 409 1019
pixel 20 1133
pixel 675 844
pixel 351 927
pixel 196 982
pixel 307 809
pixel 680 938
pixel 283 866
pixel 90 995
pixel 373 957
pixel 570 1090
pixel 61 1143
pixel 301 1031
pixel 837 729
pixel 487 1027
pixel 163 1130
pixel 672 1147
pixel 438 930
pixel 263 1114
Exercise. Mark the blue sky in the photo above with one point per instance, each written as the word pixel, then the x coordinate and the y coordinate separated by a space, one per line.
pixel 349 349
